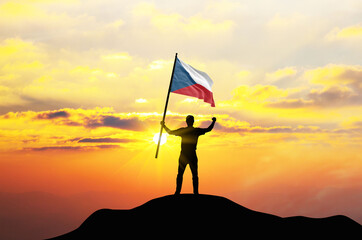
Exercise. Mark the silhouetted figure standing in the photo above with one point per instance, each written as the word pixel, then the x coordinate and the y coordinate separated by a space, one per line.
pixel 188 155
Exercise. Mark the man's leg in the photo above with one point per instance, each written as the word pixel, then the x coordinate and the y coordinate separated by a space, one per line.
pixel 182 163
pixel 195 177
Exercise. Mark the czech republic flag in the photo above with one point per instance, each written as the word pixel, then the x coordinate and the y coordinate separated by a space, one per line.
pixel 192 82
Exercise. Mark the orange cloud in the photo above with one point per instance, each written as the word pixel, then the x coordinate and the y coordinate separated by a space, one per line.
pixel 81 129
pixel 342 88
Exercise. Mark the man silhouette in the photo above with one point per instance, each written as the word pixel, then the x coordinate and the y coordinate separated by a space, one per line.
pixel 188 155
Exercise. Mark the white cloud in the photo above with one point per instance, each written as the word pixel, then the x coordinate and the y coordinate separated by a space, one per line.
pixel 141 100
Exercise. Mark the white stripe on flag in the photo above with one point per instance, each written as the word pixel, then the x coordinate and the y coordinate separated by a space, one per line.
pixel 198 76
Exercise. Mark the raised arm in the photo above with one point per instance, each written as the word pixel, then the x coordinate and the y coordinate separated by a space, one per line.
pixel 211 125
pixel 169 131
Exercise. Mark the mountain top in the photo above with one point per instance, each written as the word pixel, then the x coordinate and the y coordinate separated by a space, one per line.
pixel 201 215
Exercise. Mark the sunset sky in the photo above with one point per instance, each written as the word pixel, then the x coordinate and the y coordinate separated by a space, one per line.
pixel 83 86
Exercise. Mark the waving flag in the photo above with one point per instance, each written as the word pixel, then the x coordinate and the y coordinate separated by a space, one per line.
pixel 188 81
pixel 192 82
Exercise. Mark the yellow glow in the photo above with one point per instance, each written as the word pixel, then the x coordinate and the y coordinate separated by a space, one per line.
pixel 331 74
pixel 258 93
pixel 281 73
pixel 117 56
pixel 170 21
pixel 197 24
pixel 163 138
pixel 243 74
pixel 12 9
pixel 353 31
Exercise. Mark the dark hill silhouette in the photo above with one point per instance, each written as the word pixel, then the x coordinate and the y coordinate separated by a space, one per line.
pixel 206 216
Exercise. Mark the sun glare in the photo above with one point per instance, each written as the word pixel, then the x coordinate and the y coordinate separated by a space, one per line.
pixel 163 138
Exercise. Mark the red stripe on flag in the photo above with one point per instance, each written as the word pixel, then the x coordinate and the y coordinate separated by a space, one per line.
pixel 197 91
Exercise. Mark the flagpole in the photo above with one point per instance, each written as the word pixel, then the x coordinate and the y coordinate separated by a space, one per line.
pixel 164 112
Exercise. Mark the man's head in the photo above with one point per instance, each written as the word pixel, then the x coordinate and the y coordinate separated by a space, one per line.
pixel 190 120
